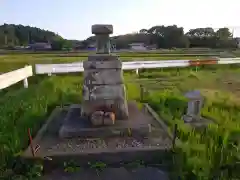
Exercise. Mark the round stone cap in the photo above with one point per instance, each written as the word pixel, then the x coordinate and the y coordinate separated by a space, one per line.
pixel 102 29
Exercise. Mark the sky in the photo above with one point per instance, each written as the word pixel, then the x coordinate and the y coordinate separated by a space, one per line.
pixel 72 19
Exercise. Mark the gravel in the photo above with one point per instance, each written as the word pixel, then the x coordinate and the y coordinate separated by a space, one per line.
pixel 109 143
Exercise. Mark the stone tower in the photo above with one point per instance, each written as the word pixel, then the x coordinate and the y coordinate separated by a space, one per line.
pixel 103 87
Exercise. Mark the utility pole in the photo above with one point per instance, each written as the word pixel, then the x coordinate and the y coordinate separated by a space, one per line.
pixel 6 39
pixel 29 38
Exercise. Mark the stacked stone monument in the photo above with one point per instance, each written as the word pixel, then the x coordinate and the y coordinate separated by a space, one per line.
pixel 104 96
pixel 104 110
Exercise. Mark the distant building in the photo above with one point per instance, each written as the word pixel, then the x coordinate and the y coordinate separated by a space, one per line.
pixel 20 47
pixel 138 46
pixel 152 47
pixel 40 46
pixel 92 47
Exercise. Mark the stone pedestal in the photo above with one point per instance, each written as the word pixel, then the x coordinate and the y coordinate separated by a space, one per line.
pixel 195 104
pixel 103 87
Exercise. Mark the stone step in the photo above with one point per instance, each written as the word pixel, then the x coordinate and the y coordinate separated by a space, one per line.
pixel 141 173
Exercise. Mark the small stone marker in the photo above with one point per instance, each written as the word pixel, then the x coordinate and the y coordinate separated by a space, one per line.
pixel 195 104
pixel 103 88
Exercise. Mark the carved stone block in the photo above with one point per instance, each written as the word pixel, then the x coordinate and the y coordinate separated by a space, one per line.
pixel 102 77
pixel 96 92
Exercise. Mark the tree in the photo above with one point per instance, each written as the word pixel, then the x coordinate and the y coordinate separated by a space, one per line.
pixel 13 35
pixel 23 35
pixel 163 36
pixel 167 36
pixel 225 39
pixel 143 31
pixel 173 36
pixel 202 37
pixel 223 34
pixel 57 44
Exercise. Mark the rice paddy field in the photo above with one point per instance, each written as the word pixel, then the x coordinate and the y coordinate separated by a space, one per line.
pixel 212 153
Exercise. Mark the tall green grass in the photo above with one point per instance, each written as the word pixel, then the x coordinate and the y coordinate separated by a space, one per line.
pixel 28 108
pixel 203 154
pixel 21 109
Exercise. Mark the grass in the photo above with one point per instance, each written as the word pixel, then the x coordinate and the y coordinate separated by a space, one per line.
pixel 202 155
pixel 21 109
pixel 26 108
pixel 213 152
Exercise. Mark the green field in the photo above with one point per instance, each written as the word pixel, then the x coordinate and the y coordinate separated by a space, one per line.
pixel 201 155
pixel 13 60
pixel 170 52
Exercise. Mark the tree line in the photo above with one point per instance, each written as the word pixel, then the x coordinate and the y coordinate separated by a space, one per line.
pixel 18 35
pixel 174 37
pixel 160 36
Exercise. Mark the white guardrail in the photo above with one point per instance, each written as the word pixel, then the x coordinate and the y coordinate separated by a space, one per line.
pixel 13 77
pixel 132 65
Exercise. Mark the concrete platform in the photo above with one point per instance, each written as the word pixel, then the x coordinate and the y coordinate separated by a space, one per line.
pixel 76 126
pixel 197 122
pixel 110 150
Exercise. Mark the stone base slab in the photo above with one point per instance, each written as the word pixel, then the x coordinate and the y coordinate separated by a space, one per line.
pixel 76 125
pixel 86 151
pixel 191 119
pixel 196 121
